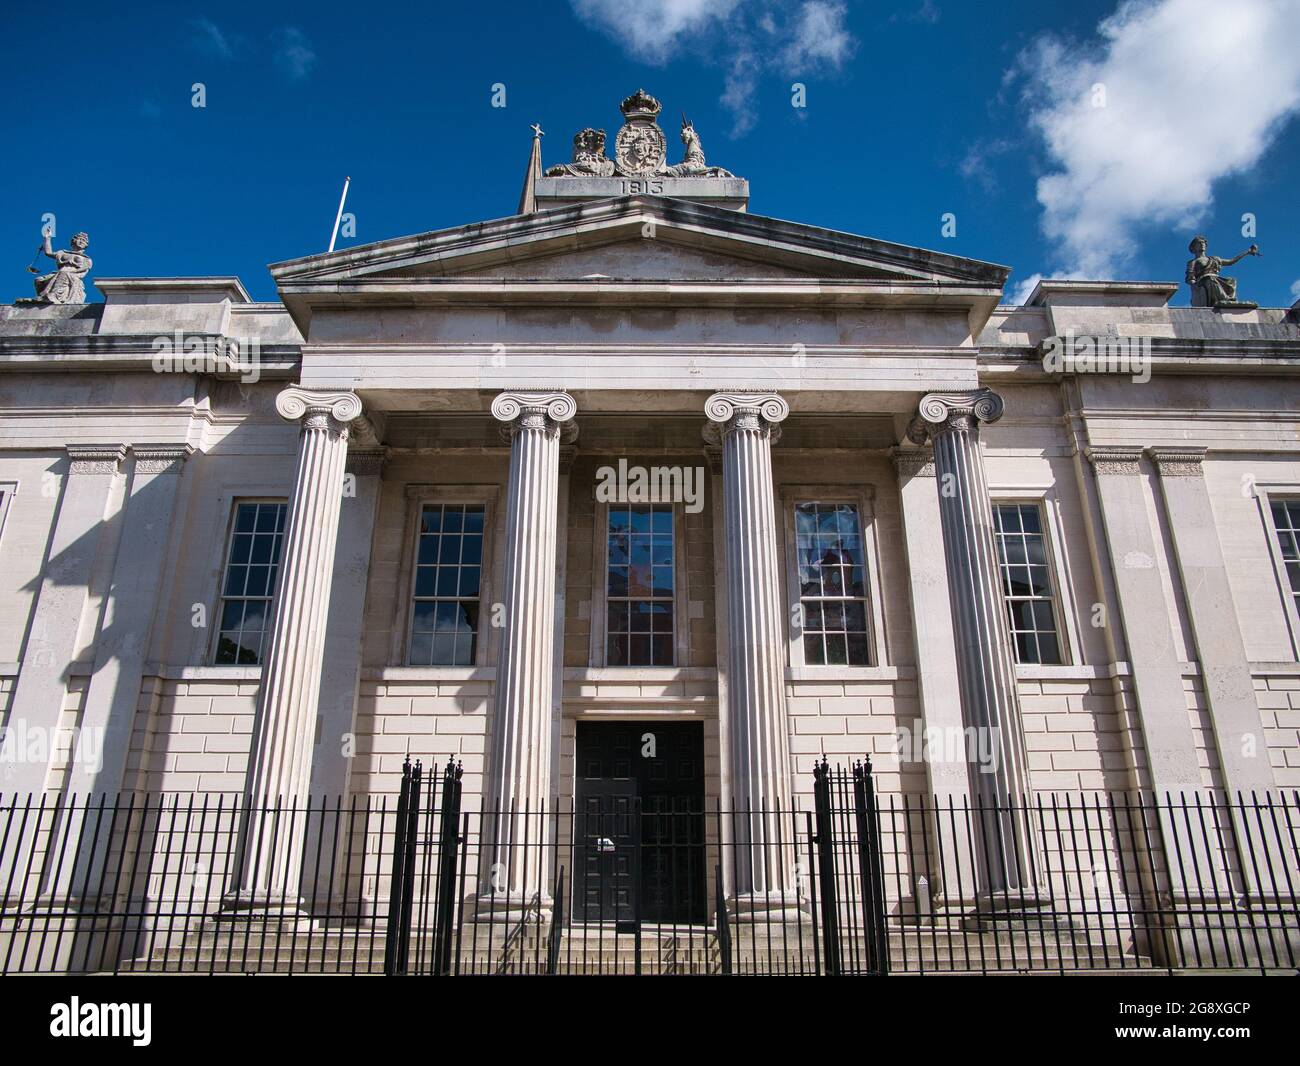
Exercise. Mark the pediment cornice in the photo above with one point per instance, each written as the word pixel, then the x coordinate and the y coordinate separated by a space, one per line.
pixel 448 252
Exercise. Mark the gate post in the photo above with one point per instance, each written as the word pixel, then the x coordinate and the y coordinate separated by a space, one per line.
pixel 825 873
pixel 448 853
pixel 870 868
pixel 724 922
pixel 401 887
pixel 557 926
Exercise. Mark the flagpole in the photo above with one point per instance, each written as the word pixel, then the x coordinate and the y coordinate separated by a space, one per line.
pixel 338 217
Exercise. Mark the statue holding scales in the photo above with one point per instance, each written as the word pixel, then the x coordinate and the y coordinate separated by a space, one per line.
pixel 65 285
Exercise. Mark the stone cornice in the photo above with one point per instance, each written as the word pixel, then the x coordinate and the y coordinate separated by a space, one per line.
pixel 1177 462
pixel 366 461
pixel 229 287
pixel 160 458
pixel 95 458
pixel 1115 460
pixel 1247 356
pixel 105 352
pixel 913 462
pixel 506 238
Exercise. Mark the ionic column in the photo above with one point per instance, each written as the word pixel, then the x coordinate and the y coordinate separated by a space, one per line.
pixel 284 726
pixel 519 781
pixel 985 666
pixel 757 726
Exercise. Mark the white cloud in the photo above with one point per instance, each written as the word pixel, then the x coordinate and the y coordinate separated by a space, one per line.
pixel 1295 289
pixel 294 52
pixel 793 38
pixel 652 29
pixel 1194 90
pixel 819 36
pixel 741 84
pixel 211 39
pixel 928 12
pixel 1024 288
pixel 976 165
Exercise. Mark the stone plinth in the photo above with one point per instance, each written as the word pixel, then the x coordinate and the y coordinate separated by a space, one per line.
pixel 731 193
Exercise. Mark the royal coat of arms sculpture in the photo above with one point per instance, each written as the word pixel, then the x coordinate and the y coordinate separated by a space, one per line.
pixel 640 149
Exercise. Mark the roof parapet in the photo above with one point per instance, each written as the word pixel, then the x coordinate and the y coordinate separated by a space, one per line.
pixel 1065 292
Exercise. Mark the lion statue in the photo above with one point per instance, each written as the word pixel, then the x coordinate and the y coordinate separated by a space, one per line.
pixel 589 159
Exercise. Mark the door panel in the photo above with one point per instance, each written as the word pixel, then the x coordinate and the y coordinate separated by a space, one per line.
pixel 639 826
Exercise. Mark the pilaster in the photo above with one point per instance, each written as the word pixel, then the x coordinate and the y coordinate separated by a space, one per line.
pixel 1229 687
pixel 51 643
pixel 121 650
pixel 1148 628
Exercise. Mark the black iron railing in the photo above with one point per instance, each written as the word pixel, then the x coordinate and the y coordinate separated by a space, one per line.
pixel 849 882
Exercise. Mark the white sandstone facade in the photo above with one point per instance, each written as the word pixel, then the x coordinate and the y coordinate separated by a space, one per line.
pixel 841 417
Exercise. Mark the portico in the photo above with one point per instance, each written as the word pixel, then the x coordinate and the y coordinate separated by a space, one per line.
pixel 853 356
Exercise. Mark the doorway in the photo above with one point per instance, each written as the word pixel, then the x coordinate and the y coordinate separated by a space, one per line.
pixel 639 847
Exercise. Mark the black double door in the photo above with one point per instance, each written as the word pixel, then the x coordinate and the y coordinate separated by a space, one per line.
pixel 639 823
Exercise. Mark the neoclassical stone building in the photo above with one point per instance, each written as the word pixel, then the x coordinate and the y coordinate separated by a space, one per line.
pixel 636 458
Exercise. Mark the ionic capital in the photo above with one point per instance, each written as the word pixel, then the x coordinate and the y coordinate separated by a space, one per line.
pixel 1177 462
pixel 729 412
pixel 318 409
pixel 95 458
pixel 953 412
pixel 549 412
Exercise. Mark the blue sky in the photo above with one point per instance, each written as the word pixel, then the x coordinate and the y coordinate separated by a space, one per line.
pixel 915 109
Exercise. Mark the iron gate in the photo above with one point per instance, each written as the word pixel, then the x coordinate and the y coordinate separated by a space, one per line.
pixel 859 883
pixel 812 885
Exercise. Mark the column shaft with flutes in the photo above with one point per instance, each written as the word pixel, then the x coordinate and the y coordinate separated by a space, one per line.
pixel 985 666
pixel 284 726
pixel 758 728
pixel 519 782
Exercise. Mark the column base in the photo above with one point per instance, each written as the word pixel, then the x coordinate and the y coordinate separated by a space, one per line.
pixel 286 913
pixel 763 907
pixel 63 934
pixel 1004 908
pixel 511 907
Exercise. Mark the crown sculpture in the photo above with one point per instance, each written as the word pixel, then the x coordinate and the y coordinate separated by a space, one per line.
pixel 640 149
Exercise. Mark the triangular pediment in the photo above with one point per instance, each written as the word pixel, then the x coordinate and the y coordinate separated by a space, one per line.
pixel 637 238
pixel 642 259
